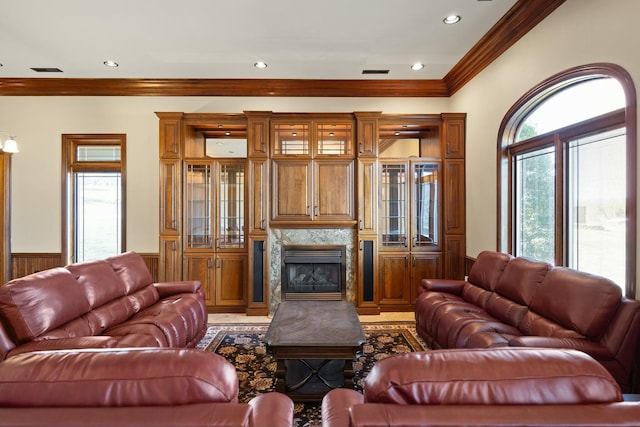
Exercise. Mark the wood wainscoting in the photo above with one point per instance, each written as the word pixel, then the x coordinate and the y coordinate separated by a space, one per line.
pixel 23 264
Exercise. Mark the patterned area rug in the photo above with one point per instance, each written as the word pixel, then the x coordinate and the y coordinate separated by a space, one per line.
pixel 243 345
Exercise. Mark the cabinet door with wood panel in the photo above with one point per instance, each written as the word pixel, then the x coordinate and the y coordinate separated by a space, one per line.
pixel 393 281
pixel 333 189
pixel 367 128
pixel 170 196
pixel 200 266
pixel 258 196
pixel 257 133
pixel 231 280
pixel 292 191
pixel 169 265
pixel 423 266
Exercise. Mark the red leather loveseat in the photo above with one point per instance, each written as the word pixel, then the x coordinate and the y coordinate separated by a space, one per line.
pixel 516 302
pixel 483 387
pixel 98 343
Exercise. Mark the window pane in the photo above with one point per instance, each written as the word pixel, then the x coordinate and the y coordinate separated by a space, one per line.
pixel 574 104
pixel 98 221
pixel 98 153
pixel 534 205
pixel 597 205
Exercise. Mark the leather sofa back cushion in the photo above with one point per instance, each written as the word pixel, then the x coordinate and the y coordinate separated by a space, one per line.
pixel 504 376
pixel 101 284
pixel 132 270
pixel 521 279
pixel 111 377
pixel 40 302
pixel 487 269
pixel 577 300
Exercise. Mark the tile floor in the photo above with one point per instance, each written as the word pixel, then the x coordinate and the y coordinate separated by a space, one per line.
pixel 243 318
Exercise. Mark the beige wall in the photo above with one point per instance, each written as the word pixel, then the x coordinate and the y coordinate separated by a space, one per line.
pixel 38 123
pixel 578 32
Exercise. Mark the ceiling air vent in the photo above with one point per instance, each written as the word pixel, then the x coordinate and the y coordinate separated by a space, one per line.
pixel 375 71
pixel 46 70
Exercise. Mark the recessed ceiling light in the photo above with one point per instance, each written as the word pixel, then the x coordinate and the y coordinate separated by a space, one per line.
pixel 111 64
pixel 416 67
pixel 260 64
pixel 452 19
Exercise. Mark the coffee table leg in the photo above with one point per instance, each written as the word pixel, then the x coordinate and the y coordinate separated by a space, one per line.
pixel 281 373
pixel 348 373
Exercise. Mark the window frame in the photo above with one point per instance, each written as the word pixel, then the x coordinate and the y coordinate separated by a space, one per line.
pixel 507 148
pixel 70 166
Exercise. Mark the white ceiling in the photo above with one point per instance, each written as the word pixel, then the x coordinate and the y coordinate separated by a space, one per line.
pixel 298 39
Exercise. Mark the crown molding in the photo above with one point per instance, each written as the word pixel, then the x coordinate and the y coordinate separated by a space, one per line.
pixel 222 87
pixel 517 22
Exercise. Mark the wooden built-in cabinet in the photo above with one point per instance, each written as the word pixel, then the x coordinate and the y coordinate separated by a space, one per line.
pixel 409 228
pixel 313 171
pixel 304 170
pixel 410 206
pixel 214 220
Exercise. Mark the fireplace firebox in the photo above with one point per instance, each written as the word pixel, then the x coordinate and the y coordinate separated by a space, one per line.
pixel 313 272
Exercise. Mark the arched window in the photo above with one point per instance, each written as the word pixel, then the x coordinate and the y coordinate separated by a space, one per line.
pixel 567 173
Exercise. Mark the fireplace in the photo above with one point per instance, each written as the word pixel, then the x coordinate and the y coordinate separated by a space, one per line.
pixel 313 272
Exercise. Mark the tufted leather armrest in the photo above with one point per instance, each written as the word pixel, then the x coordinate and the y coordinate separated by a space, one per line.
pixel 166 289
pixel 443 285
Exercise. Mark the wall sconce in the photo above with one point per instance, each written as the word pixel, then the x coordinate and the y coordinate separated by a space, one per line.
pixel 10 145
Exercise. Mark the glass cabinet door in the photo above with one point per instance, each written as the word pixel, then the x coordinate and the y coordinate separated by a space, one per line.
pixel 425 222
pixel 198 206
pixel 334 139
pixel 393 204
pixel 291 139
pixel 231 205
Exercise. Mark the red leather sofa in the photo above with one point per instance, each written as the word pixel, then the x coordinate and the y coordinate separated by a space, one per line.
pixel 517 302
pixel 99 344
pixel 104 303
pixel 130 387
pixel 483 387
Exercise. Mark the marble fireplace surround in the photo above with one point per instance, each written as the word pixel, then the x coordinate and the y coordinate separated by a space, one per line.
pixel 279 237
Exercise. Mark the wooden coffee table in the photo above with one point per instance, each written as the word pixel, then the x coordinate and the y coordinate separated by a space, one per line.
pixel 314 344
